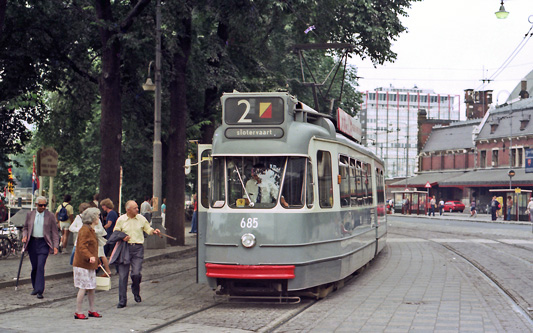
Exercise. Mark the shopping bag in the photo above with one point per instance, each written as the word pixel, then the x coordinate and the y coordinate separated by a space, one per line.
pixel 103 282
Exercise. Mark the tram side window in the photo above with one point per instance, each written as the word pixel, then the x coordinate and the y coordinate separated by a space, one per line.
pixel 368 184
pixel 325 182
pixel 205 167
pixel 294 183
pixel 380 186
pixel 218 193
pixel 360 190
pixel 310 190
pixel 353 182
pixel 344 186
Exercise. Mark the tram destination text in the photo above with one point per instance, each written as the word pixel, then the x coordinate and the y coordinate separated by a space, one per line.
pixel 256 133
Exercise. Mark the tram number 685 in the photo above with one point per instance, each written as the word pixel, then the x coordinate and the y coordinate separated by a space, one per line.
pixel 250 222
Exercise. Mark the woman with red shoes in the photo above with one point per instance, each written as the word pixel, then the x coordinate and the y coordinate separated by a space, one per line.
pixel 86 262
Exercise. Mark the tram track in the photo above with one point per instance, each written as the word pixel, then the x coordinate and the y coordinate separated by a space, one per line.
pixel 520 306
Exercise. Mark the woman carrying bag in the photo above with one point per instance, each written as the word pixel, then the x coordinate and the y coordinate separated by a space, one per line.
pixel 86 262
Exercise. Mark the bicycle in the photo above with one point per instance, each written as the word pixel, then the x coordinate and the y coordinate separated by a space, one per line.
pixel 10 242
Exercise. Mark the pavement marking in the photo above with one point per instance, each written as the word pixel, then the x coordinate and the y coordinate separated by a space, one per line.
pixel 515 241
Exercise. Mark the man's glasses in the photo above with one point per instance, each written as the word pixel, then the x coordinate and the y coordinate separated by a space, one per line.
pixel 42 205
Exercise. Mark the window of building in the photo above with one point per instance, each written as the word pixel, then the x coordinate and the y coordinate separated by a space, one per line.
pixel 483 159
pixel 517 157
pixel 495 161
pixel 325 181
pixel 493 128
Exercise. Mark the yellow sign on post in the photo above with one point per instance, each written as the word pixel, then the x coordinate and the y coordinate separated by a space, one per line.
pixel 518 190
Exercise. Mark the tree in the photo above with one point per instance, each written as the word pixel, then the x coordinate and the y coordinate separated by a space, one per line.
pixel 110 93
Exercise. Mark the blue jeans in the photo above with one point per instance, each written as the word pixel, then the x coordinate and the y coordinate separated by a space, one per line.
pixel 194 222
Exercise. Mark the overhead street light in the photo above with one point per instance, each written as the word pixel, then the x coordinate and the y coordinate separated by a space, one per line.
pixel 502 14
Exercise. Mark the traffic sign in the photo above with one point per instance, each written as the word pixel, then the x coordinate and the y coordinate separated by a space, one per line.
pixel 428 185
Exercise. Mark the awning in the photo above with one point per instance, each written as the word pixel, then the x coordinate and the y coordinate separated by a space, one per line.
pixel 434 178
pixel 490 177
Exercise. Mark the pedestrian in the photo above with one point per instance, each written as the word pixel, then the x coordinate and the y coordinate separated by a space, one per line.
pixel 101 237
pixel 473 212
pixel 494 204
pixel 95 199
pixel 432 204
pixel 509 207
pixel 41 238
pixel 64 217
pixel 132 224
pixel 86 262
pixel 441 207
pixel 146 209
pixel 163 211
pixel 76 226
pixel 110 221
pixel 194 220
pixel 529 209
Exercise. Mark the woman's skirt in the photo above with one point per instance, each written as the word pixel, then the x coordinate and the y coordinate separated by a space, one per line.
pixel 84 278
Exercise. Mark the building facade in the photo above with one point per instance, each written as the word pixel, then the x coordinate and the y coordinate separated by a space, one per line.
pixel 477 159
pixel 389 118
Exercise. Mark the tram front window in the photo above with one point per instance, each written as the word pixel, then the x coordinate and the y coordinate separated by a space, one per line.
pixel 253 182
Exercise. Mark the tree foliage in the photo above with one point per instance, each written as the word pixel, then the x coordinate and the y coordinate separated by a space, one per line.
pixel 74 69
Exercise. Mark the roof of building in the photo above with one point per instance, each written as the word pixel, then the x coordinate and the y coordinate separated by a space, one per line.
pixel 455 136
pixel 507 120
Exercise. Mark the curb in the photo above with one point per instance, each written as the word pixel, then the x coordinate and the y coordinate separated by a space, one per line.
pixel 465 219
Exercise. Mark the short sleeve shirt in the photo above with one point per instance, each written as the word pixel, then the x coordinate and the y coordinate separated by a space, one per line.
pixel 134 227
pixel 68 206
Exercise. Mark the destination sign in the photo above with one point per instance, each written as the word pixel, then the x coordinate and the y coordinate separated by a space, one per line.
pixel 254 133
pixel 254 111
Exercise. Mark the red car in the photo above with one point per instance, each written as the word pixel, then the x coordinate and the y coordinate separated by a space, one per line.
pixel 454 206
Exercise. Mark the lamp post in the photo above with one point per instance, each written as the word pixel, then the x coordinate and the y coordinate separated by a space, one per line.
pixel 157 151
pixel 511 175
pixel 501 13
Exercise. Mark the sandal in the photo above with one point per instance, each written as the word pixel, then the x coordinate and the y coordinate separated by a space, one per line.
pixel 95 314
pixel 79 316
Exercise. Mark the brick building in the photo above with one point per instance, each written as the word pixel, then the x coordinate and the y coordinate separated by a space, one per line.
pixel 472 160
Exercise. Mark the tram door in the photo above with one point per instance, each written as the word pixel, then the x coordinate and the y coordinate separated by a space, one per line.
pixel 204 173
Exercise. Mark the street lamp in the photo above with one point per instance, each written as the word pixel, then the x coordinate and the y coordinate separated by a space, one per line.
pixel 511 175
pixel 501 13
pixel 157 158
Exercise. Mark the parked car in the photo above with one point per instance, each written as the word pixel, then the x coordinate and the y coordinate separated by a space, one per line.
pixel 454 206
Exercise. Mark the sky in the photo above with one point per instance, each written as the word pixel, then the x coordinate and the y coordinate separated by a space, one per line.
pixel 452 45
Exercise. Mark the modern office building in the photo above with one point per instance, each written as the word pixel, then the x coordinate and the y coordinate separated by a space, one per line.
pixel 389 118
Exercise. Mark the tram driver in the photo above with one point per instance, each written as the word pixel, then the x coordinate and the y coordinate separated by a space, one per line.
pixel 261 188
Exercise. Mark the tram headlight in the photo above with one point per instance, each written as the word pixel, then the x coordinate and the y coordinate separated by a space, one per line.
pixel 248 240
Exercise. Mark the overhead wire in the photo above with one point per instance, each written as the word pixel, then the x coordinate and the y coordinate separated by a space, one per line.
pixel 510 58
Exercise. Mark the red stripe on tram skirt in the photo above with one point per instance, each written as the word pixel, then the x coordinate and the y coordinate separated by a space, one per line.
pixel 249 271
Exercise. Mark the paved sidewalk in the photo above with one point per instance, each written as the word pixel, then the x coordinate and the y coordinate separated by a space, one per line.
pixel 455 216
pixel 58 266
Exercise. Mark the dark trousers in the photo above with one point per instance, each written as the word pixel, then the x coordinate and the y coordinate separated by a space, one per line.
pixel 38 251
pixel 493 211
pixel 136 260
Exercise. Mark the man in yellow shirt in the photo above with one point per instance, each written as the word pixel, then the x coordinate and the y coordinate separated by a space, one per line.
pixel 133 225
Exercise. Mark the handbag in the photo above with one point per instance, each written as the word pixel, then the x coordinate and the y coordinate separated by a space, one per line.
pixel 103 282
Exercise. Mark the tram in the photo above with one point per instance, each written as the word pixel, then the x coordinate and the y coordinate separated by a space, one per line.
pixel 289 204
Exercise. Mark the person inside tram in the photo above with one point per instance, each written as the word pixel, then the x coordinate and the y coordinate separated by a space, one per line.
pixel 260 188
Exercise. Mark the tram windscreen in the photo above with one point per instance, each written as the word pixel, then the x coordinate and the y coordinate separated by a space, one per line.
pixel 255 182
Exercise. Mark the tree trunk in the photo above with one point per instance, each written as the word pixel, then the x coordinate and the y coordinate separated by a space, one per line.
pixel 111 118
pixel 175 216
